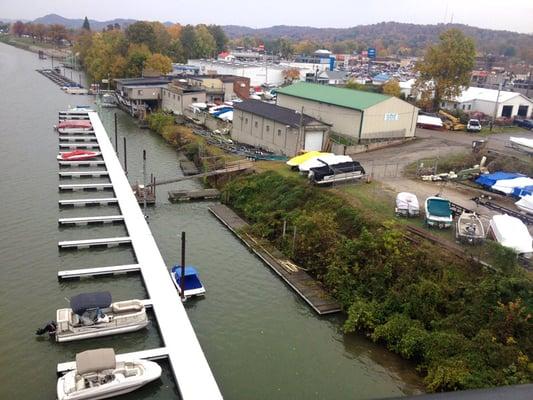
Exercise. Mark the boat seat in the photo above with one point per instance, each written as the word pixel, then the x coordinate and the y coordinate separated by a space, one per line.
pixel 80 384
pixel 131 372
pixel 125 306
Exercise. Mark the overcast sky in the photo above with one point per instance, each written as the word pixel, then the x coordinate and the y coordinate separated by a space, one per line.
pixel 515 15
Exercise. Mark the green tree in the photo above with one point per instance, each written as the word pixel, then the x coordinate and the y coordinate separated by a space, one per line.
pixel 392 88
pixel 136 58
pixel 162 38
pixel 141 32
pixel 447 66
pixel 176 52
pixel 220 37
pixel 204 43
pixel 86 25
pixel 187 39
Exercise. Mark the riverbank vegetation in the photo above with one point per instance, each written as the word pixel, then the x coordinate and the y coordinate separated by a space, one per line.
pixel 463 326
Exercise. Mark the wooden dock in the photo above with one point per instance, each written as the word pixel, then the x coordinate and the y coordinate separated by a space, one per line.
pixel 191 195
pixel 307 287
pixel 188 168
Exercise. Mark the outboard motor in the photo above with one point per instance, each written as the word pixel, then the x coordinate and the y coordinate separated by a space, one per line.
pixel 50 328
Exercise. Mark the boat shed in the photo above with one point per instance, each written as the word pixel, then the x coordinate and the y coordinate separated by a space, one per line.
pixel 277 129
pixel 360 116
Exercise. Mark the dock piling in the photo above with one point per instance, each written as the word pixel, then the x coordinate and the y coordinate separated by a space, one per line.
pixel 182 280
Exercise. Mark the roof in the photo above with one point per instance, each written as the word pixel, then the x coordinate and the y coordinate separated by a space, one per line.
pixel 95 361
pixel 86 301
pixel 342 97
pixel 276 113
pixel 476 93
pixel 144 81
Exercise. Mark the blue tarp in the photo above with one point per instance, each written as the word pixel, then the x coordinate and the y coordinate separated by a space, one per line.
pixel 191 277
pixel 490 179
pixel 524 191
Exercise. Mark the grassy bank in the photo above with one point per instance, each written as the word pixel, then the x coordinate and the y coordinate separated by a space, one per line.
pixel 463 326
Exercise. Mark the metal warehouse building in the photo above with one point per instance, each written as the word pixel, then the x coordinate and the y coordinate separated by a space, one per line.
pixel 362 116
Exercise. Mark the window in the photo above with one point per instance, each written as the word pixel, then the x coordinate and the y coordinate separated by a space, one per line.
pixel 268 128
pixel 443 104
pixel 246 121
pixel 455 106
pixel 256 124
pixel 179 97
pixel 464 106
pixel 174 96
pixel 194 99
pixel 470 106
pixel 279 132
pixel 139 91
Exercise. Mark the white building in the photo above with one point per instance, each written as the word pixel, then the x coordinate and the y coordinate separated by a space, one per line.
pixel 509 104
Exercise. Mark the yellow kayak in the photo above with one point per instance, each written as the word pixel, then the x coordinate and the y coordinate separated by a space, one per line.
pixel 295 161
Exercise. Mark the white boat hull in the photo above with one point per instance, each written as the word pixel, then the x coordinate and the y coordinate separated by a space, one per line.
pixel 99 332
pixel 188 293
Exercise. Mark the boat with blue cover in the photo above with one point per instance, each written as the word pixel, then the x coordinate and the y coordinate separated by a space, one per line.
pixel 193 285
pixel 438 212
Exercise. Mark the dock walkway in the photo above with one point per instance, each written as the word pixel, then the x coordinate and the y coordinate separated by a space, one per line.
pixel 302 283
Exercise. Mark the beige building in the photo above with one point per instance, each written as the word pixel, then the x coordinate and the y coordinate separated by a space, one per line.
pixel 277 129
pixel 178 95
pixel 361 116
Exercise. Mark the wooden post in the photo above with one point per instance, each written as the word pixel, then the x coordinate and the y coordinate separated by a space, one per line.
pixel 116 133
pixel 125 157
pixel 144 191
pixel 153 187
pixel 293 240
pixel 284 228
pixel 182 280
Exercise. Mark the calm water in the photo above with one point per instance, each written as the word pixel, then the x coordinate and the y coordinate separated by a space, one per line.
pixel 261 340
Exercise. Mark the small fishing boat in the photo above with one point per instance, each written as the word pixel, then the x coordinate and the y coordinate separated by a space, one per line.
pixel 469 229
pixel 438 212
pixel 74 126
pixel 78 155
pixel 407 205
pixel 108 100
pixel 193 286
pixel 98 375
pixel 94 315
pixel 296 161
pixel 324 159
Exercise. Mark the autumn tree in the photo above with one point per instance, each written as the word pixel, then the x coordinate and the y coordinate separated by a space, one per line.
pixel 141 32
pixel 86 26
pixel 447 66
pixel 204 43
pixel 392 88
pixel 174 31
pixel 159 63
pixel 18 28
pixel 162 38
pixel 57 32
pixel 291 74
pixel 136 58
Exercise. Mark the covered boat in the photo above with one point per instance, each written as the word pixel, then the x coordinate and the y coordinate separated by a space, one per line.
pixel 469 229
pixel 74 125
pixel 508 186
pixel 522 144
pixel 98 375
pixel 336 173
pixel 296 161
pixel 324 159
pixel 407 205
pixel 438 212
pixel 94 315
pixel 525 204
pixel 193 285
pixel 512 233
pixel 429 122
pixel 78 155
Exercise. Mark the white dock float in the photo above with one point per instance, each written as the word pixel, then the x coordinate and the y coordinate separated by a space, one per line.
pixel 86 243
pixel 96 163
pixel 104 219
pixel 187 360
pixel 99 271
pixel 84 138
pixel 152 354
pixel 79 145
pixel 89 202
pixel 77 132
pixel 82 174
pixel 86 186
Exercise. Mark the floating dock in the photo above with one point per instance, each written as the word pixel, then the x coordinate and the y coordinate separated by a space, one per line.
pixel 105 219
pixel 188 363
pixel 100 271
pixel 86 186
pixel 82 174
pixel 307 287
pixel 78 145
pixel 86 138
pixel 87 243
pixel 104 201
pixel 95 163
pixel 188 168
pixel 191 195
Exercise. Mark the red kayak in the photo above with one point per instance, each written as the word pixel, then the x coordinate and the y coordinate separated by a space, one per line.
pixel 78 155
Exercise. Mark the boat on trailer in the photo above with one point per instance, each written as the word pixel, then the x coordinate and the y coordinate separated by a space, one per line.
pixel 78 155
pixel 407 205
pixel 438 212
pixel 193 286
pixel 94 315
pixel 469 229
pixel 522 144
pixel 526 204
pixel 74 126
pixel 98 375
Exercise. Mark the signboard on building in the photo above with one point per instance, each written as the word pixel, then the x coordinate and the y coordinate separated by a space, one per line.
pixel 392 117
pixel 371 52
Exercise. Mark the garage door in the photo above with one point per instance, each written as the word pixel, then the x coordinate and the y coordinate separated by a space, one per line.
pixel 313 140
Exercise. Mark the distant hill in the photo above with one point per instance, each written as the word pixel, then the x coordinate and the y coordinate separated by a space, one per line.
pixel 77 23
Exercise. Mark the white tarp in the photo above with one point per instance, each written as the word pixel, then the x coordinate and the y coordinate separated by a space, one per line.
pixel 330 159
pixel 525 204
pixel 508 185
pixel 525 143
pixel 511 232
pixel 428 120
pixel 407 201
pixel 227 116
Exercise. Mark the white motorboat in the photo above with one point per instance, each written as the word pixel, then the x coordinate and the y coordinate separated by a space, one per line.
pixel 193 285
pixel 407 205
pixel 108 100
pixel 438 212
pixel 469 229
pixel 324 159
pixel 526 204
pixel 94 315
pixel 98 375
pixel 512 233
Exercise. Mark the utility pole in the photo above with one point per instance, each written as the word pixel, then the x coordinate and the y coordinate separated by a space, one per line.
pixel 496 107
pixel 298 142
pixel 144 183
pixel 528 84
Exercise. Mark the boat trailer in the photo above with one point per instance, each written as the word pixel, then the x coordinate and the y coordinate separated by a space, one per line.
pixel 526 219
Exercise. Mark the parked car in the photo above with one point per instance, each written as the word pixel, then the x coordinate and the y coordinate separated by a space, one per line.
pixel 473 125
pixel 524 123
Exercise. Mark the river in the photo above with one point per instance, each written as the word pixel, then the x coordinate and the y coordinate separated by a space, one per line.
pixel 261 340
